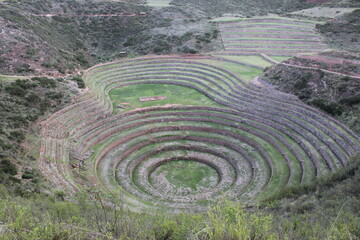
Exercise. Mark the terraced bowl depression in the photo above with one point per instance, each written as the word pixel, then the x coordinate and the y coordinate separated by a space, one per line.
pixel 214 136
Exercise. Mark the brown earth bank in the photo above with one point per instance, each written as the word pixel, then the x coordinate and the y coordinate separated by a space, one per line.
pixel 339 62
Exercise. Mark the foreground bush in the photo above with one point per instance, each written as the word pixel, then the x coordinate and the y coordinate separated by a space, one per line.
pixel 44 217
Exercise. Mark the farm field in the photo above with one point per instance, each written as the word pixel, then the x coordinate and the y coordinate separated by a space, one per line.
pixel 270 35
pixel 215 135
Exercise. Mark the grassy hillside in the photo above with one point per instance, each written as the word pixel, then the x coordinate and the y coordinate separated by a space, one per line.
pixel 64 36
pixel 23 103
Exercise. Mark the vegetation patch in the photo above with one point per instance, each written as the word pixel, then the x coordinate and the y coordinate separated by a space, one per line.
pixel 23 102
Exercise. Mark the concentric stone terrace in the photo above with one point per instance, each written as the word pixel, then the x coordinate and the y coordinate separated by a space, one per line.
pixel 248 143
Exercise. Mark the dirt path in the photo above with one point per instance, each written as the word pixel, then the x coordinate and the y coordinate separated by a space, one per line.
pixel 268 58
pixel 327 71
pixel 256 81
pixel 77 71
pixel 89 15
pixel 14 76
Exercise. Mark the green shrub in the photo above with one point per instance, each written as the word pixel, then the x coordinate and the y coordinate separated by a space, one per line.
pixel 130 41
pixel 15 90
pixel 24 68
pixel 44 105
pixel 45 82
pixel 4 146
pixel 203 38
pixel 215 33
pixel 186 49
pixel 342 87
pixel 17 135
pixel 54 95
pixel 350 100
pixel 60 195
pixel 230 221
pixel 32 117
pixel 81 58
pixel 329 107
pixel 61 19
pixel 27 175
pixel 162 46
pixel 345 78
pixel 2 60
pixel 79 80
pixel 24 84
pixel 187 36
pixel 46 64
pixel 301 84
pixel 18 121
pixel 7 167
pixel 32 98
pixel 304 94
pixel 165 229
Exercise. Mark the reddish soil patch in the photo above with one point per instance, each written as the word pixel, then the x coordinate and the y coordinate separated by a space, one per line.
pixel 91 15
pixel 317 1
pixel 154 98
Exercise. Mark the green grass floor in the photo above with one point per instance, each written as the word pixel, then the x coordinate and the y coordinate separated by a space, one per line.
pixel 175 95
pixel 189 174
